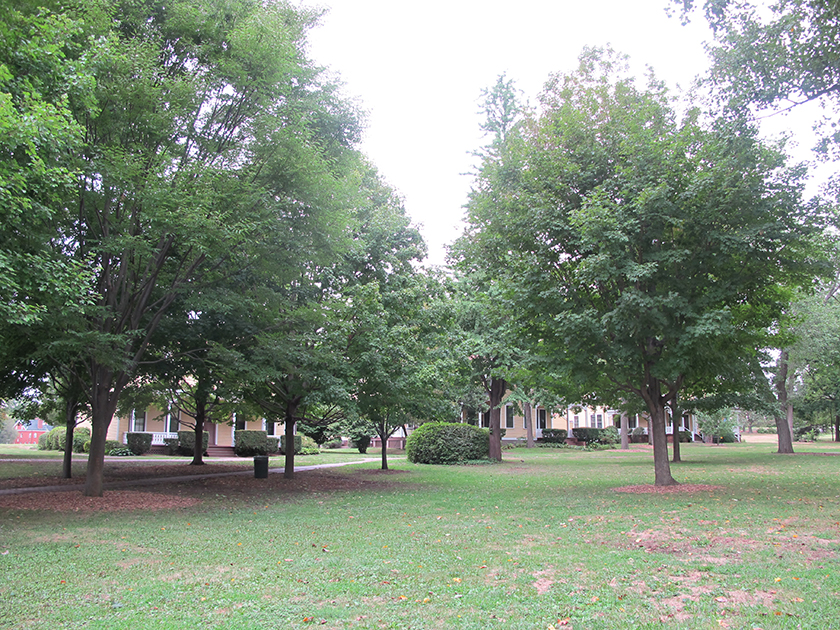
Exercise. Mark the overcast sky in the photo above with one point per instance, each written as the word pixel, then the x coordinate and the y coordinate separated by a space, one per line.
pixel 418 68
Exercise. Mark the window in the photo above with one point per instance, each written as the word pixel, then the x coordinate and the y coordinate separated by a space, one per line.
pixel 238 423
pixel 269 427
pixel 139 422
pixel 172 421
pixel 599 421
pixel 632 422
pixel 541 419
pixel 576 421
pixel 509 417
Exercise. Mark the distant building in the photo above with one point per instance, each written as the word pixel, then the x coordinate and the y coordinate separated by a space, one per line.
pixel 29 434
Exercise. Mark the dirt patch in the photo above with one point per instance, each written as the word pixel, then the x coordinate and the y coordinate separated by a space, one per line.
pixel 174 494
pixel 111 501
pixel 683 488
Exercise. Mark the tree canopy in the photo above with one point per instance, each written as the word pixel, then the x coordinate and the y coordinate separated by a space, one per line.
pixel 643 251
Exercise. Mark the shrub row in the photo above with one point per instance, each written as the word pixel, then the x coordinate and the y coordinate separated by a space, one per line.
pixel 591 435
pixel 55 439
pixel 447 443
pixel 554 436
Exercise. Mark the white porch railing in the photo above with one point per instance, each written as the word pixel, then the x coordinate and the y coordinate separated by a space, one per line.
pixel 157 437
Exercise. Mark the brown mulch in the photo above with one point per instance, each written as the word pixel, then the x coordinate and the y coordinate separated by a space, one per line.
pixel 683 488
pixel 163 495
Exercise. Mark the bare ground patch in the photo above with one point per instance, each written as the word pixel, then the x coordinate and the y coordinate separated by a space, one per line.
pixel 111 501
pixel 181 493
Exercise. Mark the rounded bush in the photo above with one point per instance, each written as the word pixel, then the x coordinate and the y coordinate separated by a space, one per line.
pixel 447 443
pixel 80 436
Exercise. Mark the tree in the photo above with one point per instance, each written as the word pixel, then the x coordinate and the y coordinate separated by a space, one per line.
pixel 397 353
pixel 8 431
pixel 776 57
pixel 211 142
pixel 43 76
pixel 814 356
pixel 641 251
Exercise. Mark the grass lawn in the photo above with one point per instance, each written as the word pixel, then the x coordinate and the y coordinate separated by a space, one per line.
pixel 543 540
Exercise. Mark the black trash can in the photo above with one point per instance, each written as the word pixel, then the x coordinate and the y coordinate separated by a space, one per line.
pixel 260 466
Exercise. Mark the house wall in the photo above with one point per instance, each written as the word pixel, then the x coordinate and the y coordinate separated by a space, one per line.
pixel 157 422
pixel 29 434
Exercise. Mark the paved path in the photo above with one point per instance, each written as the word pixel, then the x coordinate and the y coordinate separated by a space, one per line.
pixel 111 485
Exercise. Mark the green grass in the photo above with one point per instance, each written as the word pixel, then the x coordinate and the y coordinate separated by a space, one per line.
pixel 538 541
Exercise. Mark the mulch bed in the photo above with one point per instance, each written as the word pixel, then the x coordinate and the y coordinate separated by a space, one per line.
pixel 163 495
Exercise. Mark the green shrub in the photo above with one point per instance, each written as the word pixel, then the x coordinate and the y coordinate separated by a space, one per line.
pixel 171 445
pixel 447 443
pixel 559 445
pixel 121 451
pixel 273 443
pixel 186 442
pixel 55 439
pixel 361 443
pixel 308 446
pixel 250 443
pixel 554 436
pixel 609 436
pixel 807 433
pixel 336 443
pixel 110 445
pixel 586 434
pixel 296 441
pixel 139 443
pixel 685 436
pixel 43 442
pixel 723 435
pixel 80 436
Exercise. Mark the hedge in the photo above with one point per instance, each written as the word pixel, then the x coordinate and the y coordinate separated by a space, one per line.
pixel 139 443
pixel 55 439
pixel 186 442
pixel 554 436
pixel 593 435
pixel 447 443
pixel 296 442
pixel 250 443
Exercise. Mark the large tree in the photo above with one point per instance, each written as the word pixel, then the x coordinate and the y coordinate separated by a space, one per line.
pixel 643 251
pixel 213 140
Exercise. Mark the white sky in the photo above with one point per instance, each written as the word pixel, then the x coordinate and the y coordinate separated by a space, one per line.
pixel 418 68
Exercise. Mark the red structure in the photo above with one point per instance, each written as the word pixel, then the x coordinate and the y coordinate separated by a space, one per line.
pixel 30 434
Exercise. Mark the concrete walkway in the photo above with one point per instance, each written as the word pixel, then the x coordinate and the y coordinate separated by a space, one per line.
pixel 112 485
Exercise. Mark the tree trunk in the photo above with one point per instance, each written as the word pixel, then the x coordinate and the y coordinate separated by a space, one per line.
pixel 105 391
pixel 70 409
pixel 661 465
pixel 529 425
pixel 651 392
pixel 498 386
pixel 289 433
pixel 384 438
pixel 676 423
pixel 625 431
pixel 198 447
pixel 783 430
